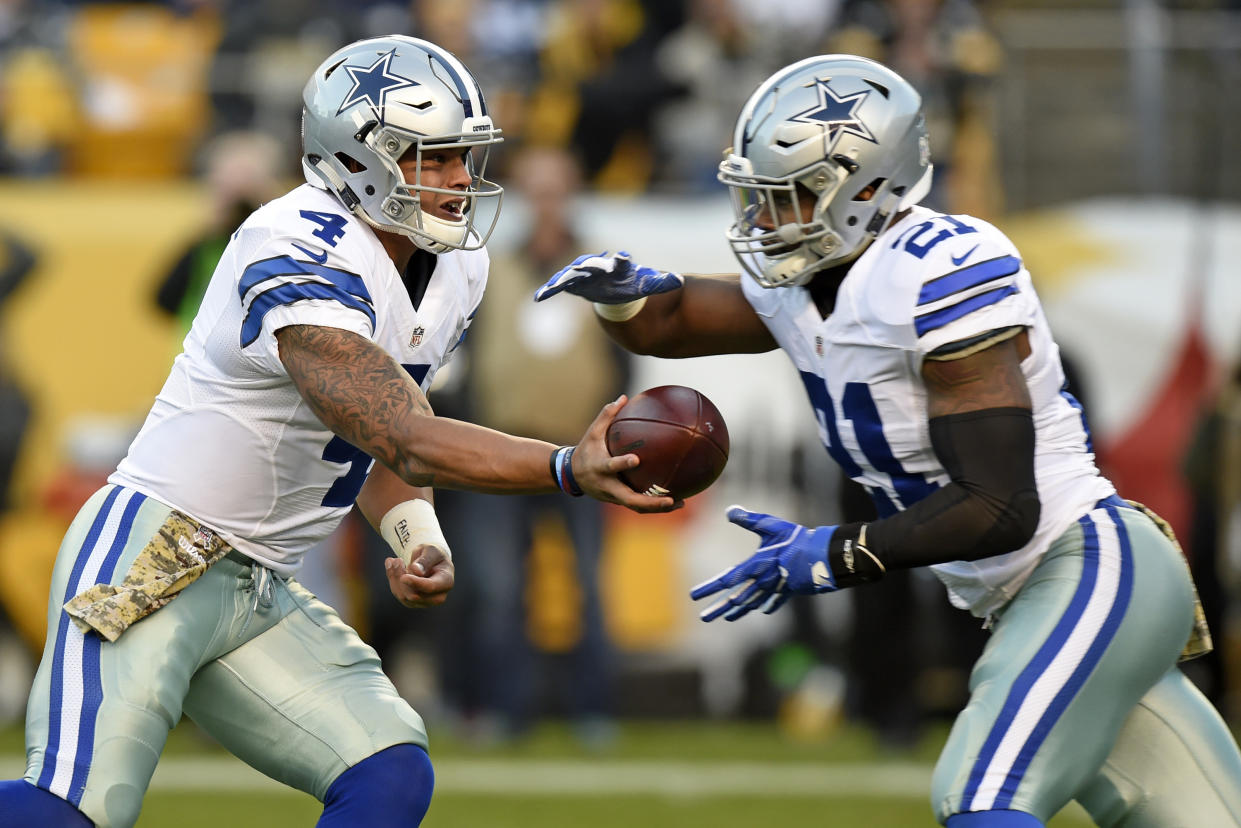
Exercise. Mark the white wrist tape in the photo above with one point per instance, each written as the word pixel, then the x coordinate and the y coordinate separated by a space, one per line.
pixel 621 312
pixel 411 524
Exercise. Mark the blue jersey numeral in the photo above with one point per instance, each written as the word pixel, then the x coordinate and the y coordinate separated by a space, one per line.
pixel 344 490
pixel 331 226
pixel 916 239
pixel 858 406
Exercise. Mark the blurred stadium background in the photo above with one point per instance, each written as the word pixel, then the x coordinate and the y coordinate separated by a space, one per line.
pixel 1099 135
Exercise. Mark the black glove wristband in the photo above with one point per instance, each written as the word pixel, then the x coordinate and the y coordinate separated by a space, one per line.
pixel 849 558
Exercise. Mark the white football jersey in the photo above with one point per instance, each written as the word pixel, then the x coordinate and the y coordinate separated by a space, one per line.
pixel 929 280
pixel 229 440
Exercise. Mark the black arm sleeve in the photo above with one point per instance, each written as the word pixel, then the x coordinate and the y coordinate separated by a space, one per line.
pixel 990 507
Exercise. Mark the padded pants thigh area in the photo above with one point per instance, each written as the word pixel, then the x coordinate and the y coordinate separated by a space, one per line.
pixel 303 701
pixel 1175 764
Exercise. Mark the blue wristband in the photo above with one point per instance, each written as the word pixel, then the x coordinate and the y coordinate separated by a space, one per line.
pixel 562 471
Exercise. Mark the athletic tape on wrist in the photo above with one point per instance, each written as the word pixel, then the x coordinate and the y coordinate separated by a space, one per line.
pixel 621 312
pixel 411 524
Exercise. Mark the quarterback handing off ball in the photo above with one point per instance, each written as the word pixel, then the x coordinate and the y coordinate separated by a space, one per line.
pixel 679 436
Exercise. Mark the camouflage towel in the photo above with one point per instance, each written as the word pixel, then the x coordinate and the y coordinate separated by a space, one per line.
pixel 1199 643
pixel 178 554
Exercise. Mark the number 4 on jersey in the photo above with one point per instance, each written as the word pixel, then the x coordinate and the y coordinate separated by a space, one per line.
pixel 331 226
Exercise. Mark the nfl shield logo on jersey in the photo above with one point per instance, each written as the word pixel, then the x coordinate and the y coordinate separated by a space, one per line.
pixel 415 339
pixel 818 345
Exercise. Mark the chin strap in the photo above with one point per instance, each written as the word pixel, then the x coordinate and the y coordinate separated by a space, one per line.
pixel 342 190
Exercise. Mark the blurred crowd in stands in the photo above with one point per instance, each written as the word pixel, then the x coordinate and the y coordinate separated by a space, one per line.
pixel 643 91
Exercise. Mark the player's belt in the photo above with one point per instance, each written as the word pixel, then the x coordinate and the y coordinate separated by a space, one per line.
pixel 175 556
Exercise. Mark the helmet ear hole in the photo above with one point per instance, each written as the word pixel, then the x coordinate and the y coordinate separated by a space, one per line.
pixel 868 192
pixel 350 163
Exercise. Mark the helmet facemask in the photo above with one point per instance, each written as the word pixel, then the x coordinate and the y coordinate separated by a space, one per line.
pixel 401 211
pixel 773 239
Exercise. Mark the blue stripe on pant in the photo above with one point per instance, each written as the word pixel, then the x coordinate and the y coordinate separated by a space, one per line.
pixel 76 688
pixel 1043 692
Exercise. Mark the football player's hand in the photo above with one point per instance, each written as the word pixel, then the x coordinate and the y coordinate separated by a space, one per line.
pixel 790 559
pixel 609 278
pixel 597 471
pixel 425 582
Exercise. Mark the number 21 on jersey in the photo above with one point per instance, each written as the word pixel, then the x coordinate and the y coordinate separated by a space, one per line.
pixel 858 407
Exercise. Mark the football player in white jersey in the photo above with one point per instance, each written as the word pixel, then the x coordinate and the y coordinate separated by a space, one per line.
pixel 936 384
pixel 324 324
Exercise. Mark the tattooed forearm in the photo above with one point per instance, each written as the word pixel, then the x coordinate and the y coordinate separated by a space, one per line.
pixel 991 378
pixel 357 391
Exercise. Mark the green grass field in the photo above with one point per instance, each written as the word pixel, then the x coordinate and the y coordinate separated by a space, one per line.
pixel 657 775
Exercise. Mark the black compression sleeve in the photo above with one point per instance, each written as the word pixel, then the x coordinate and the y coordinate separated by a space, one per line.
pixel 990 507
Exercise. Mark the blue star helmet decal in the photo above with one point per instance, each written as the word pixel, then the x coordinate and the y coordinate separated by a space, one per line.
pixel 836 113
pixel 372 84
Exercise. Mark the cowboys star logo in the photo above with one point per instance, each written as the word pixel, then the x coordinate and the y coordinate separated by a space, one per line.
pixel 371 84
pixel 837 113
pixel 416 338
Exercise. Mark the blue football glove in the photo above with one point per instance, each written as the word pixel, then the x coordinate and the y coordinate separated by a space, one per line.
pixel 791 559
pixel 609 278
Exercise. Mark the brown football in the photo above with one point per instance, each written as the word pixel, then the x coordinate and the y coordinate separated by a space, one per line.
pixel 679 436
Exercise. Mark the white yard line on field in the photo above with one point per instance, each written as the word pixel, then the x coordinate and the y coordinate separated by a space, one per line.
pixel 586 776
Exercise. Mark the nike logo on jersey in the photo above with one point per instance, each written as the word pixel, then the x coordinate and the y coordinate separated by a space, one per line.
pixel 960 260
pixel 317 258
pixel 820 574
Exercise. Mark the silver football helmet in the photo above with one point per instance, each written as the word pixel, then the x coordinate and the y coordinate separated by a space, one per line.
pixel 374 101
pixel 831 126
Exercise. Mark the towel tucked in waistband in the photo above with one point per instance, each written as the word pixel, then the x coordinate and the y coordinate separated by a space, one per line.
pixel 176 556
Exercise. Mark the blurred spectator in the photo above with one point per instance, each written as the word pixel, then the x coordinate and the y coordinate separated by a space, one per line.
pixel 499 40
pixel 1213 469
pixel 16 663
pixel 600 87
pixel 266 51
pixel 945 50
pixel 710 60
pixel 787 30
pixel 143 84
pixel 17 261
pixel 541 370
pixel 38 104
pixel 241 172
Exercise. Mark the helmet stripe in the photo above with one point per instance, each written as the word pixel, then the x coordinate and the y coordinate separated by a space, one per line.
pixel 467 90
